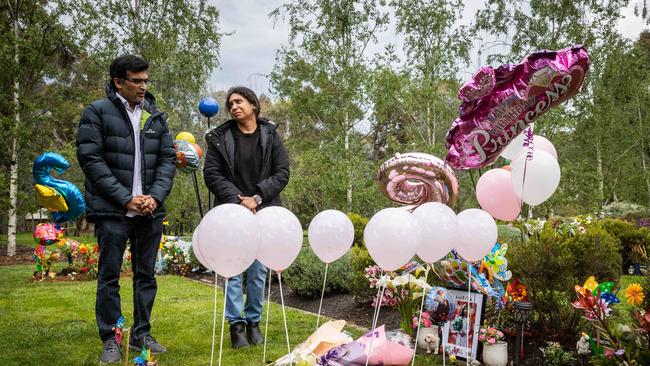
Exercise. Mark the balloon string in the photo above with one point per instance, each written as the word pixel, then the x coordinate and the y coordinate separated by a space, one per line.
pixel 374 323
pixel 268 307
pixel 284 317
pixel 320 306
pixel 223 320
pixel 469 301
pixel 214 317
pixel 417 331
pixel 381 274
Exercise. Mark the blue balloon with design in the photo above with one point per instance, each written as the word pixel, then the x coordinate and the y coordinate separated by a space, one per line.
pixel 73 197
pixel 208 107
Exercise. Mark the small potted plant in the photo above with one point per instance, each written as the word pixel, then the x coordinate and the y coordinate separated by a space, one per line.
pixel 428 338
pixel 495 351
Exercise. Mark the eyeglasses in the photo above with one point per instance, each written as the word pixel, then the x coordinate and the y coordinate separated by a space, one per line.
pixel 138 81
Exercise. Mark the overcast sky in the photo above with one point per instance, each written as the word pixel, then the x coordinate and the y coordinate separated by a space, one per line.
pixel 249 52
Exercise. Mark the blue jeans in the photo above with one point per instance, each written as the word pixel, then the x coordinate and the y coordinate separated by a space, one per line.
pixel 255 281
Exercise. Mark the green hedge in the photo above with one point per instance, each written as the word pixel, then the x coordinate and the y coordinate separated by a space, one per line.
pixel 305 275
pixel 551 265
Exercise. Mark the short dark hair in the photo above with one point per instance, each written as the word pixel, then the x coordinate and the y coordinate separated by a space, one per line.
pixel 250 96
pixel 122 64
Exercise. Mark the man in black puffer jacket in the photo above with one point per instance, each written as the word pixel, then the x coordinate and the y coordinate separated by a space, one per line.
pixel 246 164
pixel 127 155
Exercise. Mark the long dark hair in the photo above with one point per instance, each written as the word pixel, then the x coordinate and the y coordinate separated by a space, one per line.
pixel 250 96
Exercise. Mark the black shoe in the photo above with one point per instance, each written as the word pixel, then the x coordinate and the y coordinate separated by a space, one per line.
pixel 238 335
pixel 147 342
pixel 253 333
pixel 111 352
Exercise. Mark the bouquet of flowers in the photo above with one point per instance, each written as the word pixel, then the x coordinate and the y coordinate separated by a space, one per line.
pixel 489 335
pixel 89 254
pixel 402 292
pixel 425 321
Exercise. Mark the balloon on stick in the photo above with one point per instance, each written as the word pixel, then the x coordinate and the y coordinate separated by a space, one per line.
pixel 438 230
pixel 281 237
pixel 391 237
pixel 331 234
pixel 477 234
pixel 228 239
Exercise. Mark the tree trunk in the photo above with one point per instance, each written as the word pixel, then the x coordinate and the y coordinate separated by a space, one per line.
pixel 13 177
pixel 347 155
pixel 642 137
pixel 599 174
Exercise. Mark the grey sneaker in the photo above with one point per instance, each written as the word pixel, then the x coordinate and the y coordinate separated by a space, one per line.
pixel 147 342
pixel 111 352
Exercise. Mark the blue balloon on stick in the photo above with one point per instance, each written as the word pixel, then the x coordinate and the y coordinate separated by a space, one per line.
pixel 71 193
pixel 208 107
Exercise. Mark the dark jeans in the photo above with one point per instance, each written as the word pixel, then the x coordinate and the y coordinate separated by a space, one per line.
pixel 144 235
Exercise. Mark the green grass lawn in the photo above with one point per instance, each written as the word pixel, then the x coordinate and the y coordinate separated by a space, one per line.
pixel 54 323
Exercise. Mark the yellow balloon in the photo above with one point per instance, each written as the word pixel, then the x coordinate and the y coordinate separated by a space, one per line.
pixel 49 198
pixel 187 137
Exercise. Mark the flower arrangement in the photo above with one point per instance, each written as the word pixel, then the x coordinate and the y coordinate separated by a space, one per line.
pixel 402 292
pixel 45 259
pixel 175 254
pixel 489 335
pixel 622 344
pixel 89 255
pixel 425 321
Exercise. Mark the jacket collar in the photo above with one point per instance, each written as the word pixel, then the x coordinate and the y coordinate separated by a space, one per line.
pixel 148 104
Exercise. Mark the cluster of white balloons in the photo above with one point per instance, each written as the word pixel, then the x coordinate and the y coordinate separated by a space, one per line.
pixel 393 235
pixel 230 238
pixel 500 192
pixel 534 180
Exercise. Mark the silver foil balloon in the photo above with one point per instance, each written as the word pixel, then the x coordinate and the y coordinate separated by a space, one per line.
pixel 415 178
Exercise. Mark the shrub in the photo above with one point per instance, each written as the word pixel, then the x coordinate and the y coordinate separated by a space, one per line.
pixel 359 223
pixel 305 276
pixel 509 234
pixel 630 236
pixel 358 284
pixel 595 253
pixel 555 355
pixel 544 264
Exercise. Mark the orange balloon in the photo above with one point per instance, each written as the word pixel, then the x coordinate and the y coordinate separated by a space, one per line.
pixel 198 149
pixel 506 167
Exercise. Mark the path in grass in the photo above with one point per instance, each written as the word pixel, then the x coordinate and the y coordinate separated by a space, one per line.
pixel 54 323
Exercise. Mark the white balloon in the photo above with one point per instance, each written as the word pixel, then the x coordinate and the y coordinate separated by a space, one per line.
pixel 542 175
pixel 391 237
pixel 331 234
pixel 477 234
pixel 195 248
pixel 228 239
pixel 281 237
pixel 438 230
pixel 513 149
pixel 540 143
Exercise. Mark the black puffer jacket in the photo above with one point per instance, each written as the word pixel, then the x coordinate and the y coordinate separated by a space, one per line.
pixel 219 170
pixel 106 153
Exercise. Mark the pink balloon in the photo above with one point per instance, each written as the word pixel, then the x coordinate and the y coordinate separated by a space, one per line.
pixel 477 234
pixel 228 239
pixel 331 234
pixel 438 230
pixel 391 237
pixel 496 195
pixel 281 234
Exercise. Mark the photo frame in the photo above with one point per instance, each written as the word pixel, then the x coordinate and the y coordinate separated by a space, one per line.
pixel 454 333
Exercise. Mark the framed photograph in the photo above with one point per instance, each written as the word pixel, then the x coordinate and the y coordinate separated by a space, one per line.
pixel 464 325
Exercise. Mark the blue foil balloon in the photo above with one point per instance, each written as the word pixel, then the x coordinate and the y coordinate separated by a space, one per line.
pixel 208 107
pixel 72 195
pixel 440 305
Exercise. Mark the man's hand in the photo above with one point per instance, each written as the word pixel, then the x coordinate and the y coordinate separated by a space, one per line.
pixel 135 204
pixel 248 202
pixel 149 205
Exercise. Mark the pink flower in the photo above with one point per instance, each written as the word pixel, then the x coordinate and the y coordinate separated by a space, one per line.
pixel 492 341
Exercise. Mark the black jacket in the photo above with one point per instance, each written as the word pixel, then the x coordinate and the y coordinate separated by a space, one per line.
pixel 219 169
pixel 106 153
